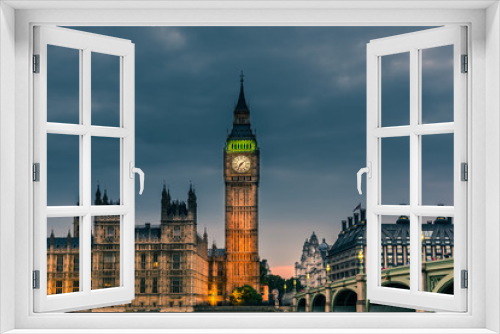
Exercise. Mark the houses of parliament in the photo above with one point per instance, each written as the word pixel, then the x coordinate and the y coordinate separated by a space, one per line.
pixel 175 267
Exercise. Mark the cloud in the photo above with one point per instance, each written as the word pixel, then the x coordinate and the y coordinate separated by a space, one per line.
pixel 171 38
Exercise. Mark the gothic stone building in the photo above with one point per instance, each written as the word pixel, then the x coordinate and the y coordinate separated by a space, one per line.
pixel 311 270
pixel 175 269
pixel 343 257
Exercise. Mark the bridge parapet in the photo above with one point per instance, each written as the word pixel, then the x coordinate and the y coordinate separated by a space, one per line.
pixel 437 277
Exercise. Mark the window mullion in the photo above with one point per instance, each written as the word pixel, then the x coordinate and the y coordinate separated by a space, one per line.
pixel 85 168
pixel 415 164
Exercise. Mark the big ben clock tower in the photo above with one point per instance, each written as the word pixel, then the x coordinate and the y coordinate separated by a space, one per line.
pixel 241 177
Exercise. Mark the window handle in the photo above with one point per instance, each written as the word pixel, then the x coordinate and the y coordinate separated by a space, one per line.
pixel 139 171
pixel 368 171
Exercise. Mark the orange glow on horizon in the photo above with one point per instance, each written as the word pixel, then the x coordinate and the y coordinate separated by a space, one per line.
pixel 283 271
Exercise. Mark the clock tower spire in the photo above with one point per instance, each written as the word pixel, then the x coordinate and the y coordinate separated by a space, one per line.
pixel 241 177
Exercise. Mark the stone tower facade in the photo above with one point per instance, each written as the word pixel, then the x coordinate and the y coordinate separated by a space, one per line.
pixel 241 177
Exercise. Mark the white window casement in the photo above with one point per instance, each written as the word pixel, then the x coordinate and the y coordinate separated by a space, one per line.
pixel 479 305
pixel 416 132
pixel 85 44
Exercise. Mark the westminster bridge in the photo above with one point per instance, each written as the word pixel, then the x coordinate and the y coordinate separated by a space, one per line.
pixel 349 295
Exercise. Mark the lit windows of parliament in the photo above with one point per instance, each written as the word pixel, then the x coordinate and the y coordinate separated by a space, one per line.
pixel 175 269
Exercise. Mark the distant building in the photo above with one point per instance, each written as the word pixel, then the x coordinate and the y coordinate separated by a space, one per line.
pixel 343 261
pixel 63 264
pixel 311 270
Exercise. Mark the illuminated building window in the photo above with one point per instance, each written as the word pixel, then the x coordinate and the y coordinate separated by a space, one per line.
pixel 58 287
pixel 109 282
pixel 60 263
pixel 155 260
pixel 142 288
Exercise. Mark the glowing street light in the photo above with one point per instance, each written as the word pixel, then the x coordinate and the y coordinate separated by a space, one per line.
pixel 360 258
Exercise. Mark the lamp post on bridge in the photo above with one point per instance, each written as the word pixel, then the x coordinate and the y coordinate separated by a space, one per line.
pixel 360 258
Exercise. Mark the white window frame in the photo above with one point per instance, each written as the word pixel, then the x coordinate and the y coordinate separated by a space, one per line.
pixel 85 44
pixel 16 21
pixel 413 43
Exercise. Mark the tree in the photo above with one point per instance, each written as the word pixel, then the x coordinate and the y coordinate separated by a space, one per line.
pixel 245 295
pixel 278 282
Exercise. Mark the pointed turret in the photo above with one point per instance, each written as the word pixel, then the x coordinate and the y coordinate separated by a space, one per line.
pixel 52 238
pixel 98 200
pixel 105 200
pixel 192 205
pixel 241 106
pixel 165 202
pixel 205 235
pixel 69 238
pixel 241 138
pixel 241 111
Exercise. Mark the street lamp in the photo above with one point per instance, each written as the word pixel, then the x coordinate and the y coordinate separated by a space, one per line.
pixel 294 285
pixel 307 280
pixel 360 258
pixel 327 272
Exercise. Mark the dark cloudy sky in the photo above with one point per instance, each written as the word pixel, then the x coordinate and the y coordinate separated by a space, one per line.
pixel 306 89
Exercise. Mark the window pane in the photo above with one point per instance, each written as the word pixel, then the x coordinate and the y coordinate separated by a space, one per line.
pixel 63 169
pixel 63 255
pixel 437 169
pixel 437 84
pixel 395 166
pixel 105 89
pixel 106 252
pixel 437 254
pixel 106 170
pixel 63 85
pixel 395 94
pixel 395 252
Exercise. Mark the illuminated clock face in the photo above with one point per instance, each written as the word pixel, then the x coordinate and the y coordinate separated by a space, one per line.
pixel 241 164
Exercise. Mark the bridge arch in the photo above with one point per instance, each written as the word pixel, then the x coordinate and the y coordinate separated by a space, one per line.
pixel 399 284
pixel 445 285
pixel 301 305
pixel 344 300
pixel 318 303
